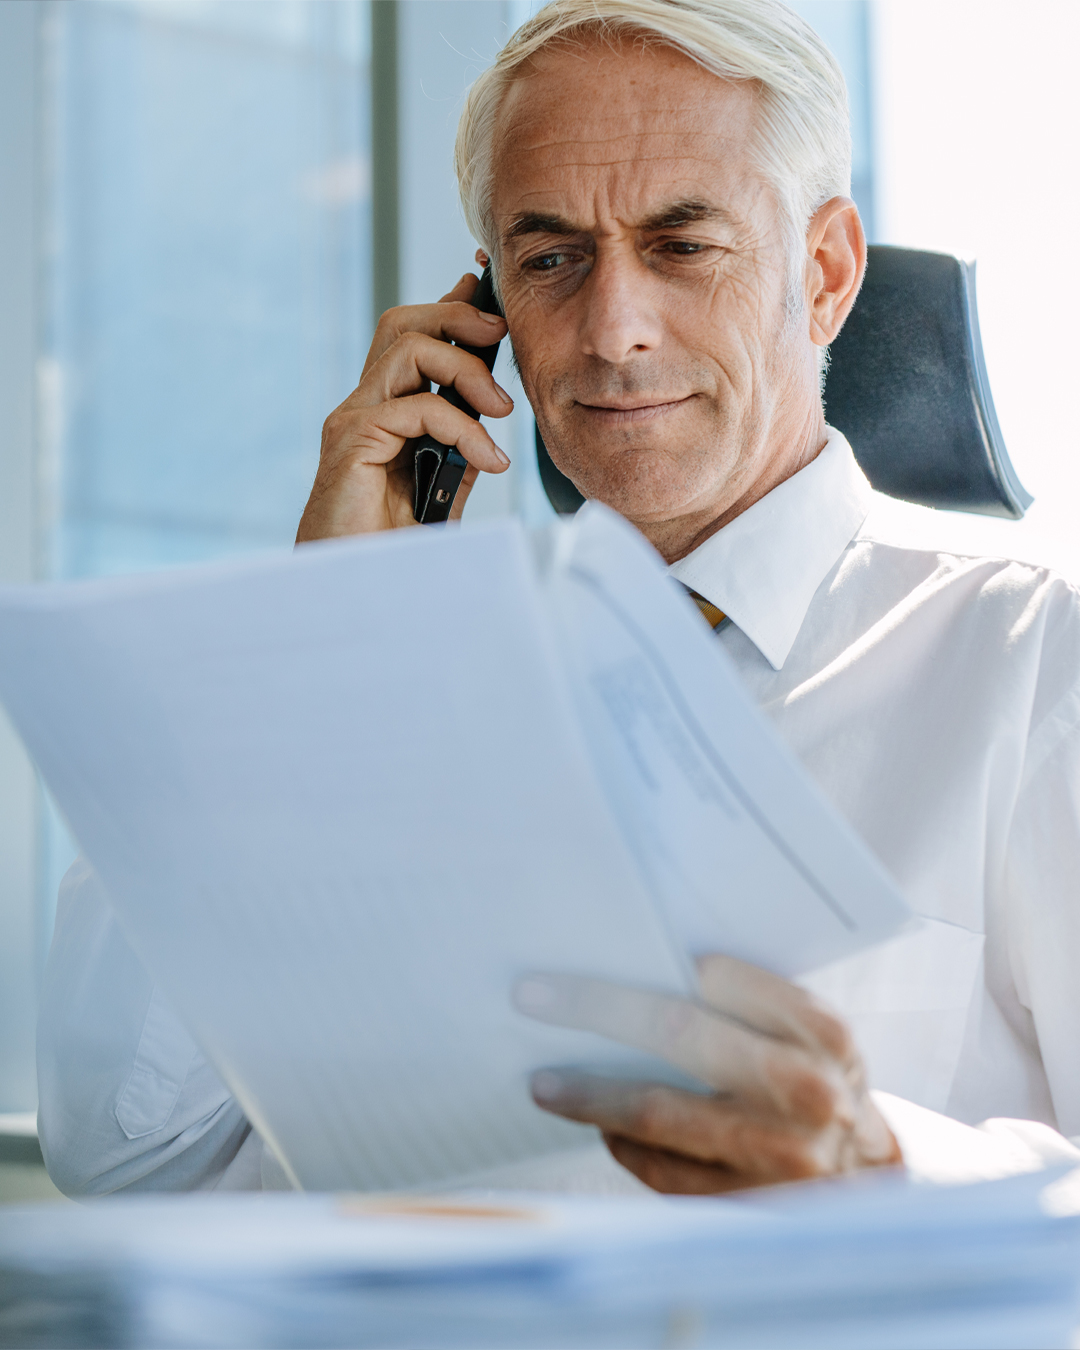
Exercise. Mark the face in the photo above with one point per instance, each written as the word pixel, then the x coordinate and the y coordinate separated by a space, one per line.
pixel 645 284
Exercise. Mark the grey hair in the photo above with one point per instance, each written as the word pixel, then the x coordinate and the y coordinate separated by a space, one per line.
pixel 803 140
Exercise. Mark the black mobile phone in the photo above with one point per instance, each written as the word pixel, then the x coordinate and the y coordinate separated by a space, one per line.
pixel 437 468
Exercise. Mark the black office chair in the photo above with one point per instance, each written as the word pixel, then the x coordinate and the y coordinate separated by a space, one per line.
pixel 908 387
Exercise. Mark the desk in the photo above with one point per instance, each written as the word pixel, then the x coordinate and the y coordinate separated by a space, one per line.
pixel 875 1262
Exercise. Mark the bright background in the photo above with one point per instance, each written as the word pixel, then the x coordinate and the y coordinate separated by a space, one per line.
pixel 976 152
pixel 203 201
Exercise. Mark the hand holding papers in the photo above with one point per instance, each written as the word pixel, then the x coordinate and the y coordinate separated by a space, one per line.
pixel 791 1098
pixel 337 872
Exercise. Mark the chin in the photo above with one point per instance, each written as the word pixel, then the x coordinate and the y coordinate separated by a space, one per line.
pixel 642 485
pixel 642 506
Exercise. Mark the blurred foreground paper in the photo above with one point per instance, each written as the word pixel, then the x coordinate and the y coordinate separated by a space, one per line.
pixel 342 798
pixel 874 1264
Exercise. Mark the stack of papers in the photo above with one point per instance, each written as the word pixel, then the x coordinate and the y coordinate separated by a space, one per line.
pixel 342 799
pixel 873 1263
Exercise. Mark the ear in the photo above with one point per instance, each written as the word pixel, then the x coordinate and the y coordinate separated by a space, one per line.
pixel 481 257
pixel 836 254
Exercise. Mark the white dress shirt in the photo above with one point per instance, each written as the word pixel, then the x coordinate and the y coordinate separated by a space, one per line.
pixel 935 697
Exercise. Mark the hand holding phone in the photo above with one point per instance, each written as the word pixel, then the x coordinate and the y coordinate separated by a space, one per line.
pixel 366 478
pixel 438 469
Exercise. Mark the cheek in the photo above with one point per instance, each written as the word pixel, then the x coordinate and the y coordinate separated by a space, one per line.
pixel 741 329
pixel 740 310
pixel 540 345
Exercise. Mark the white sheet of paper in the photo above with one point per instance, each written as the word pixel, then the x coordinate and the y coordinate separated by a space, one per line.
pixel 341 799
pixel 340 802
pixel 743 852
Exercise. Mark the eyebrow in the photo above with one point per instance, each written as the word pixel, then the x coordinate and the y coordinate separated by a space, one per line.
pixel 687 212
pixel 536 222
pixel 670 217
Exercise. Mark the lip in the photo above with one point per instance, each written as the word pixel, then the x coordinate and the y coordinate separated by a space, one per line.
pixel 640 411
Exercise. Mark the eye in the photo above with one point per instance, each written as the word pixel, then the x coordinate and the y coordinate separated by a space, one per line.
pixel 547 261
pixel 684 247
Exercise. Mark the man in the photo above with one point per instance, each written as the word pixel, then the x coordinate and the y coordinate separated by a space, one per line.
pixel 661 187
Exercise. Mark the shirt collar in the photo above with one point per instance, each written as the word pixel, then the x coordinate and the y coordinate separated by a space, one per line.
pixel 763 568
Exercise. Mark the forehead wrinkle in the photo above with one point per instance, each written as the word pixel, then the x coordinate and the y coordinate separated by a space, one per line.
pixel 689 119
pixel 716 212
pixel 632 160
pixel 543 68
pixel 644 134
pixel 692 193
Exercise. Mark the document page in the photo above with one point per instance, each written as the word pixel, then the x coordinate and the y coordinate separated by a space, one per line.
pixel 340 802
pixel 741 849
pixel 342 799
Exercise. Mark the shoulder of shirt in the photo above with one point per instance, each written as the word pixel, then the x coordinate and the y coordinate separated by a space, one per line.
pixel 955 539
pixel 1016 597
pixel 1023 604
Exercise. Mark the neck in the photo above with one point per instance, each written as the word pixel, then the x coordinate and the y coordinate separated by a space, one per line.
pixel 784 454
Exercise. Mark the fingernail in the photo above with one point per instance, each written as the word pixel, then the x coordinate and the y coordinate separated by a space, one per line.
pixel 491 318
pixel 504 460
pixel 533 994
pixel 546 1086
pixel 503 394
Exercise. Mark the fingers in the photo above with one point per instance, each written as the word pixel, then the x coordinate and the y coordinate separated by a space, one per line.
pixel 686 1143
pixel 718 1051
pixel 416 359
pixel 375 435
pixel 872 1143
pixel 451 320
pixel 671 1174
pixel 773 1005
pixel 364 483
pixel 791 1100
pixel 705 1130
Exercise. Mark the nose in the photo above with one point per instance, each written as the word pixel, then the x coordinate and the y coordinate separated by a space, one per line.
pixel 619 320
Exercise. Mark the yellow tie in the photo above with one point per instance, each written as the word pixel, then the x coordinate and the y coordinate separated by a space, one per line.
pixel 713 616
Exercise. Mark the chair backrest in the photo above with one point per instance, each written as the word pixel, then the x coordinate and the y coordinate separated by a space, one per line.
pixel 907 385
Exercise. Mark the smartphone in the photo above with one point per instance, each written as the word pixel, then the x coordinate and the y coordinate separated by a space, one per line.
pixel 438 469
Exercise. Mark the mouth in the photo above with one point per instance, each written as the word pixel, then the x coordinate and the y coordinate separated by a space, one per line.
pixel 640 409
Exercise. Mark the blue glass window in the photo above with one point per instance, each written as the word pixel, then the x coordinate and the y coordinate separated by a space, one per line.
pixel 208 270
pixel 207 274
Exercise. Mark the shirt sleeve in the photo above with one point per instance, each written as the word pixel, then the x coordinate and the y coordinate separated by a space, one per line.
pixel 126 1099
pixel 947 1152
pixel 1042 886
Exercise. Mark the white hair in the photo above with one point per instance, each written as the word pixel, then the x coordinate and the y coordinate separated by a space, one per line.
pixel 803 135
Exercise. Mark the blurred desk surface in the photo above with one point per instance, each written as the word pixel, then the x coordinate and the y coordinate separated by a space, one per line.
pixel 874 1262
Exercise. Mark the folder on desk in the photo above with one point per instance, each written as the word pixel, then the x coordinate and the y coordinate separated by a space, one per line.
pixel 342 799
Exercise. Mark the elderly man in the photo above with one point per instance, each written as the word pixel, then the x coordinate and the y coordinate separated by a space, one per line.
pixel 661 187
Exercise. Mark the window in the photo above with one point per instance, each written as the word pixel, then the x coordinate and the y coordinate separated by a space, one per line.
pixel 201 180
pixel 208 292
